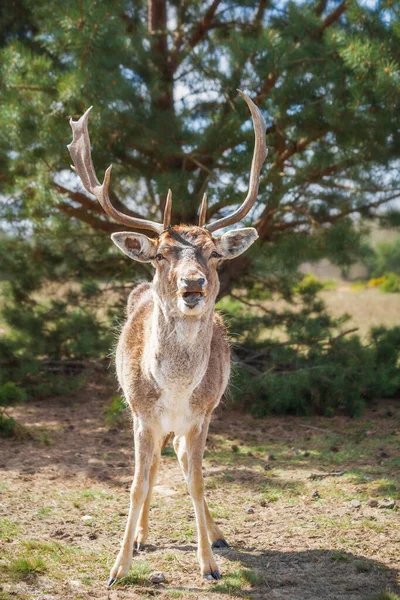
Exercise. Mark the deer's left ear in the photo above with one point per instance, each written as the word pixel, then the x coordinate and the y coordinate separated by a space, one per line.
pixel 235 242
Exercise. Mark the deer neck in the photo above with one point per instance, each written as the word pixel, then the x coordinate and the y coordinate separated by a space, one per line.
pixel 171 328
pixel 179 347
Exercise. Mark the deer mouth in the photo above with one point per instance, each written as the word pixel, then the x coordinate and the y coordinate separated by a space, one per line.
pixel 191 298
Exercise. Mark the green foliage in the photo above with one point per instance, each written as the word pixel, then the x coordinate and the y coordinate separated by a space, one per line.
pixel 116 414
pixel 385 259
pixel 10 393
pixel 7 425
pixel 308 363
pixel 391 283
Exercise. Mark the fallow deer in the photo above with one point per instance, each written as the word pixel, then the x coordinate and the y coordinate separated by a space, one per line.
pixel 172 357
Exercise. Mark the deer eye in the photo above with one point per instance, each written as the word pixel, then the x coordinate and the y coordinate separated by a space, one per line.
pixel 159 257
pixel 215 254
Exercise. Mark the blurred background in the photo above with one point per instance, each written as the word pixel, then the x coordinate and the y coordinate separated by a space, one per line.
pixel 313 309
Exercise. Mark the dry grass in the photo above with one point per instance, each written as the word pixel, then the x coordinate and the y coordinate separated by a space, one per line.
pixel 291 545
pixel 368 308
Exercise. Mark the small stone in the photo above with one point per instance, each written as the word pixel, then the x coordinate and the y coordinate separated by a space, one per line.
pixel 387 503
pixel 355 504
pixel 373 502
pixel 250 510
pixel 315 495
pixel 157 577
pixel 235 448
pixel 87 518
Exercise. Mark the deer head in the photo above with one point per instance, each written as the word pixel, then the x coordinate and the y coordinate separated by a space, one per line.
pixel 185 257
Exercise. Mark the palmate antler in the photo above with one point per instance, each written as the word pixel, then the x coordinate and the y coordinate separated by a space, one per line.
pixel 79 150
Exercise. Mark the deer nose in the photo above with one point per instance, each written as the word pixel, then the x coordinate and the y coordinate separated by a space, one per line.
pixel 192 283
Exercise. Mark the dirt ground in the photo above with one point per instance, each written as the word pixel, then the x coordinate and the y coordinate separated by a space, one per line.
pixel 64 500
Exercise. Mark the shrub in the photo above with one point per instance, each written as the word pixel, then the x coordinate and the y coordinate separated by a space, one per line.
pixel 390 283
pixel 385 258
pixel 304 361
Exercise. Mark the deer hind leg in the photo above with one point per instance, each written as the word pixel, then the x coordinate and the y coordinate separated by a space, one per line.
pixel 144 452
pixel 215 535
pixel 195 442
pixel 142 529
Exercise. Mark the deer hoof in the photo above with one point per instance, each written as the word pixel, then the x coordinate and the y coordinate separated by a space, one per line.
pixel 220 544
pixel 212 575
pixel 140 546
pixel 111 581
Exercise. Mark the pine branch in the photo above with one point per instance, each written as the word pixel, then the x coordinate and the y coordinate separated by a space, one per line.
pixel 93 205
pixel 262 6
pixel 83 215
pixel 334 15
pixel 80 198
pixel 200 30
pixel 321 6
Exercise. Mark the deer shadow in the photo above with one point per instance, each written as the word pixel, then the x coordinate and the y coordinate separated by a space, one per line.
pixel 298 575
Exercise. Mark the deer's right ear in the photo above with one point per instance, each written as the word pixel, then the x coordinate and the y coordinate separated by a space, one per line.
pixel 135 245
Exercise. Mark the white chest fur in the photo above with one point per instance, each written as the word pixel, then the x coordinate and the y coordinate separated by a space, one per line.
pixel 177 362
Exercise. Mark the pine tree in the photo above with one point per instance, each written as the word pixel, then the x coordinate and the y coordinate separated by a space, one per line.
pixel 162 78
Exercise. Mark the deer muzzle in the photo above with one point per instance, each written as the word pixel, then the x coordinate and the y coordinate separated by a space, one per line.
pixel 192 290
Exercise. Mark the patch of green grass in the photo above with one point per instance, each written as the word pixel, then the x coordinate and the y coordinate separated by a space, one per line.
pixel 11 596
pixel 8 529
pixel 363 566
pixel 43 437
pixel 236 580
pixel 386 595
pixel 372 524
pixel 138 575
pixel 218 511
pixel 228 476
pixel 281 489
pixel 42 548
pixel 44 511
pixel 339 556
pixel 386 487
pixel 22 568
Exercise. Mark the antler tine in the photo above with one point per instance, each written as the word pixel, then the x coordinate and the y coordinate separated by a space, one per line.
pixel 203 211
pixel 167 210
pixel 79 150
pixel 259 156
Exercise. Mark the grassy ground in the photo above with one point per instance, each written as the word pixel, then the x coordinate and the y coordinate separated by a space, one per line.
pixel 64 500
pixel 367 307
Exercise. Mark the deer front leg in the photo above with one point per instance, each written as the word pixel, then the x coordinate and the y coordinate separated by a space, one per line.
pixel 215 535
pixel 142 529
pixel 144 452
pixel 195 442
